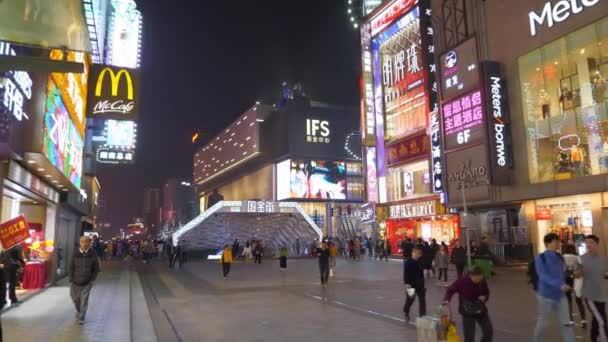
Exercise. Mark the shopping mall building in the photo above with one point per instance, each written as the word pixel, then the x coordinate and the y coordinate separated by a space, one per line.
pixel 510 98
pixel 305 152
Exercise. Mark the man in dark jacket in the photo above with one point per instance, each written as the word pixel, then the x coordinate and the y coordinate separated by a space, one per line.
pixel 413 277
pixel 407 248
pixel 14 261
pixel 83 272
pixel 459 258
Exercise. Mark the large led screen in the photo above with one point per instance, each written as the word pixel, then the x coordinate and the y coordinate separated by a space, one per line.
pixel 121 133
pixel 313 179
pixel 62 144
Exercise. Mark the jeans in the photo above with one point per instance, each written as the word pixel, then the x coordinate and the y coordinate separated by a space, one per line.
pixel 598 312
pixel 226 269
pixel 545 308
pixel 468 324
pixel 324 269
pixel 459 270
pixel 444 272
pixel 80 297
pixel 421 294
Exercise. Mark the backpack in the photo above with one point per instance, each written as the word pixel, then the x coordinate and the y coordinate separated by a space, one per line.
pixel 532 275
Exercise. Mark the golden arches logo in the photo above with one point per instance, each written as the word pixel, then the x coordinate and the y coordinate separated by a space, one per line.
pixel 115 78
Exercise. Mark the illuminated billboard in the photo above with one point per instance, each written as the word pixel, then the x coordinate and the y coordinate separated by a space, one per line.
pixel 124 35
pixel 62 144
pixel 121 133
pixel 234 145
pixel 463 120
pixel 113 92
pixel 311 179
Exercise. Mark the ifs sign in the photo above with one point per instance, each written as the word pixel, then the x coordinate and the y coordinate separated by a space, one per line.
pixel 317 131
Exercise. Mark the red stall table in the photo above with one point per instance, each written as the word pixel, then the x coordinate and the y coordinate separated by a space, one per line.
pixel 34 276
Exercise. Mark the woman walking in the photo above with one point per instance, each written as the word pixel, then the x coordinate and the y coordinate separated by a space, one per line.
pixel 226 260
pixel 473 295
pixel 441 263
pixel 283 259
pixel 247 251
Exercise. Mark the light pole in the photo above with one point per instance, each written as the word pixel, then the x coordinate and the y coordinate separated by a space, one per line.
pixel 466 221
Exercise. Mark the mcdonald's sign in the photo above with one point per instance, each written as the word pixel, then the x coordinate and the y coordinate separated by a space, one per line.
pixel 113 92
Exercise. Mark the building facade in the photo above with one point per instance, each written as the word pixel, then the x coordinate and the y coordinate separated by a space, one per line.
pixel 518 129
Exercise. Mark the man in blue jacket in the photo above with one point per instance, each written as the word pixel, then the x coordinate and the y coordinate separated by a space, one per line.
pixel 552 289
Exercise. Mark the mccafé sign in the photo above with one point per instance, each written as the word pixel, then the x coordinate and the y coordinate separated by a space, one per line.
pixel 556 12
pixel 113 92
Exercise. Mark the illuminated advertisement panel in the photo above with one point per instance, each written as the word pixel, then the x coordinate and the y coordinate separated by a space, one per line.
pixel 121 133
pixel 124 34
pixel 389 14
pixel 463 120
pixel 459 70
pixel 73 87
pixel 313 179
pixel 62 144
pixel 372 175
pixel 234 145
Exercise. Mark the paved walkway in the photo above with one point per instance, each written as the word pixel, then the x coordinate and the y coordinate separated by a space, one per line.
pixel 117 312
pixel 362 303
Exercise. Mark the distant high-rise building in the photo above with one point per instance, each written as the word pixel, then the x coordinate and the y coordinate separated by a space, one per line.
pixel 151 208
pixel 179 202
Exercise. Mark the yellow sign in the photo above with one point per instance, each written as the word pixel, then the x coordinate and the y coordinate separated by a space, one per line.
pixel 115 78
pixel 73 86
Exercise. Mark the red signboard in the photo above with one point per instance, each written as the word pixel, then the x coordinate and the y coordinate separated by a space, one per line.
pixel 409 148
pixel 543 214
pixel 389 14
pixel 14 231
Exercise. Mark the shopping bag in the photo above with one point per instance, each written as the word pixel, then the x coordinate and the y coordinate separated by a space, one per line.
pixel 431 328
pixel 331 272
pixel 452 333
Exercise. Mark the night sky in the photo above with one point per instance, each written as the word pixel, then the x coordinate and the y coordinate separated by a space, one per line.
pixel 206 61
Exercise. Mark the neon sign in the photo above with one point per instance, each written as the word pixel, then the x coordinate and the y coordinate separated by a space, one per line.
pixel 73 87
pixel 62 144
pixel 557 12
pixel 15 87
pixel 389 14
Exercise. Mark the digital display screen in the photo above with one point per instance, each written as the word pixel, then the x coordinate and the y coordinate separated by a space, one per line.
pixel 463 120
pixel 62 144
pixel 125 35
pixel 121 133
pixel 315 179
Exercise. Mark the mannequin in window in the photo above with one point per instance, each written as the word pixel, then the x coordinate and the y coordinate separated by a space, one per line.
pixel 566 99
pixel 598 85
pixel 577 156
pixel 545 103
pixel 565 164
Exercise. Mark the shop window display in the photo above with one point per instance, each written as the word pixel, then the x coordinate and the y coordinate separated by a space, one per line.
pixel 564 93
pixel 409 181
pixel 442 228
pixel 568 217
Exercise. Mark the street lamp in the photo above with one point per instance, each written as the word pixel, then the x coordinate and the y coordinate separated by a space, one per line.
pixel 466 221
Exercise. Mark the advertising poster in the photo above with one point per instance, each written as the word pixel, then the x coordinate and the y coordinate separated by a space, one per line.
pixel 13 232
pixel 318 179
pixel 62 144
pixel 459 69
pixel 463 120
pixel 56 23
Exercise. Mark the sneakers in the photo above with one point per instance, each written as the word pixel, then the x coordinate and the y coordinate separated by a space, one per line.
pixel 81 321
pixel 584 324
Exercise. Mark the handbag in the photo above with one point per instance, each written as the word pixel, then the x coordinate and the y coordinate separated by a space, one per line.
pixel 472 308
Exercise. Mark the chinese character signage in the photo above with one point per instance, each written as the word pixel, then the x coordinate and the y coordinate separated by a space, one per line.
pixel 113 92
pixel 260 207
pixel 15 88
pixel 499 127
pixel 437 166
pixel 459 70
pixel 13 232
pixel 415 209
pixel 463 120
pixel 389 14
pixel 372 175
pixel 543 213
pixel 114 155
pixel 408 149
pixel 73 87
pixel 62 143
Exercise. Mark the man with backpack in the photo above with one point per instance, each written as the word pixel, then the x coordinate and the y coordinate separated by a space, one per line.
pixel 547 275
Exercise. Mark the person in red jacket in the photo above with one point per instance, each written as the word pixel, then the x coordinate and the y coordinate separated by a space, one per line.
pixel 473 295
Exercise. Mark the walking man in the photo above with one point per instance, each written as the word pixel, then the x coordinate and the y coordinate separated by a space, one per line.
pixel 226 260
pixel 83 272
pixel 413 277
pixel 594 273
pixel 15 261
pixel 552 289
pixel 323 254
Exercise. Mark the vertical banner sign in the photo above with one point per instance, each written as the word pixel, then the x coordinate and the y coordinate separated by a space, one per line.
pixel 13 232
pixel 427 35
pixel 367 91
pixel 499 127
